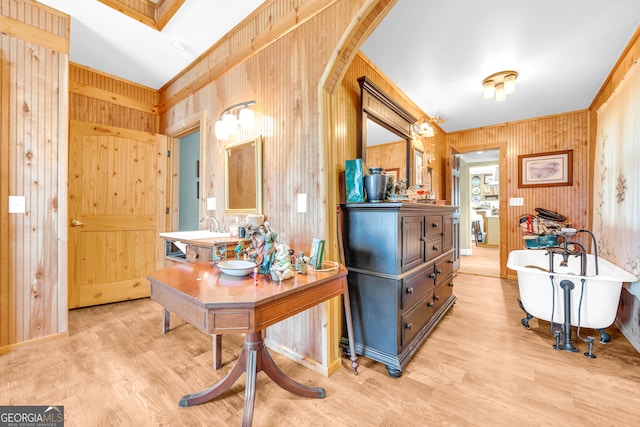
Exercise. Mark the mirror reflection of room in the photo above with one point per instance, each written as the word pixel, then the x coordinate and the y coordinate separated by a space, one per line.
pixel 386 150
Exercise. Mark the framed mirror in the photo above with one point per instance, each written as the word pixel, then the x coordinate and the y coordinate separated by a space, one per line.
pixel 384 131
pixel 243 177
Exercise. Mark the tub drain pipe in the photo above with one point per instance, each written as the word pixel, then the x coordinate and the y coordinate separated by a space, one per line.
pixel 589 339
pixel 567 286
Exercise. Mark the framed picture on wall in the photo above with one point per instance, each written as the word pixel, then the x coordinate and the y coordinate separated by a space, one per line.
pixel 418 164
pixel 393 173
pixel 551 169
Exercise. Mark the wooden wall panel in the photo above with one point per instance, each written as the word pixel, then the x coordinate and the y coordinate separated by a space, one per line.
pixel 560 132
pixel 33 83
pixel 99 98
pixel 283 77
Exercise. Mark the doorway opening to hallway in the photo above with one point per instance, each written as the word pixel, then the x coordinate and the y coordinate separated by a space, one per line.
pixel 480 213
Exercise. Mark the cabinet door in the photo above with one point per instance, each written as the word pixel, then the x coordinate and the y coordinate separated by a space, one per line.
pixel 412 241
pixel 447 233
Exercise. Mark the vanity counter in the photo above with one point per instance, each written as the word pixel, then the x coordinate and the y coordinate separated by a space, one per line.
pixel 188 246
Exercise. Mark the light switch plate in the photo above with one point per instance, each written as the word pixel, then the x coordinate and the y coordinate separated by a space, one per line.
pixel 16 204
pixel 516 201
pixel 302 202
pixel 211 203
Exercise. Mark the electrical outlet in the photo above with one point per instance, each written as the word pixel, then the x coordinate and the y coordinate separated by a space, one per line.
pixel 516 201
pixel 302 202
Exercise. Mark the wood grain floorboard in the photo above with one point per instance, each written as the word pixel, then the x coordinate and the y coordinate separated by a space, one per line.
pixel 484 261
pixel 479 367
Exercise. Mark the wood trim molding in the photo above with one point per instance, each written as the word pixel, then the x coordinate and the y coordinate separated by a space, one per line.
pixel 31 34
pixel 107 96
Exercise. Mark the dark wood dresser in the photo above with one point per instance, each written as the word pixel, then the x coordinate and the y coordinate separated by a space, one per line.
pixel 400 258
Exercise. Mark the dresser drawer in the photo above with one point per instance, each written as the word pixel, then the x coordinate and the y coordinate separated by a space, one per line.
pixel 442 293
pixel 433 225
pixel 444 268
pixel 416 286
pixel 434 247
pixel 413 320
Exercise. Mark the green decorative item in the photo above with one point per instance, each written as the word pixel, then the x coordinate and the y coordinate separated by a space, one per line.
pixel 354 179
pixel 317 253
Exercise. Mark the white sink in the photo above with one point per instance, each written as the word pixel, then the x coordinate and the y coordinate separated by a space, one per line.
pixel 194 235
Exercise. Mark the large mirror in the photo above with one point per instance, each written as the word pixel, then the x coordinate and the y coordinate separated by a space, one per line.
pixel 243 177
pixel 385 132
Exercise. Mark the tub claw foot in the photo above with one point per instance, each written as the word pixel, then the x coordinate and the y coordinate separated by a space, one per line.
pixel 525 321
pixel 605 338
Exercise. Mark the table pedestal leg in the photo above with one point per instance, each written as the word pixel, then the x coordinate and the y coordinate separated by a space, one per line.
pixel 352 346
pixel 254 358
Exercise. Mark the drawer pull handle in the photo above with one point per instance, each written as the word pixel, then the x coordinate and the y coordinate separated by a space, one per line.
pixel 409 290
pixel 409 325
pixel 434 224
pixel 451 284
pixel 436 297
pixel 438 271
pixel 432 275
pixel 430 304
pixel 435 248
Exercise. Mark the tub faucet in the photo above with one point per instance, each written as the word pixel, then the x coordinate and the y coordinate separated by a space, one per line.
pixel 214 226
pixel 595 246
pixel 583 253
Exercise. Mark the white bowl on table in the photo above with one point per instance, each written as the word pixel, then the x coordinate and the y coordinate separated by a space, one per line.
pixel 236 267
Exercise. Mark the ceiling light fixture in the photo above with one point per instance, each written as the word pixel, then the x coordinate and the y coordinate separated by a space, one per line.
pixel 177 44
pixel 231 117
pixel 499 85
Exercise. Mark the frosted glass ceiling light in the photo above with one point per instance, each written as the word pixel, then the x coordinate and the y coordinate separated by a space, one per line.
pixel 510 84
pixel 500 94
pixel 499 85
pixel 489 89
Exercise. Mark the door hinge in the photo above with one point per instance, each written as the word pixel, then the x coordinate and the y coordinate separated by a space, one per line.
pixel 166 211
pixel 168 153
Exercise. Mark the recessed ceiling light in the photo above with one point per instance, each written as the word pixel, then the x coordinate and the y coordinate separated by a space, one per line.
pixel 177 44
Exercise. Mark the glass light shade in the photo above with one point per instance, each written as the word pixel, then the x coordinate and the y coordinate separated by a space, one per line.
pixel 510 84
pixel 426 130
pixel 222 133
pixel 500 95
pixel 247 119
pixel 231 122
pixel 489 89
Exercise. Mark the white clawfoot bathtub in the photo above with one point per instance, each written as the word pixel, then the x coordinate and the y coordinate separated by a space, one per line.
pixel 593 299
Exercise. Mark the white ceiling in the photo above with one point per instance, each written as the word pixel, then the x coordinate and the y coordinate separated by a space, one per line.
pixel 109 41
pixel 437 52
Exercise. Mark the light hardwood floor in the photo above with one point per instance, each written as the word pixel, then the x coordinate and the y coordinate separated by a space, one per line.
pixel 480 367
pixel 484 260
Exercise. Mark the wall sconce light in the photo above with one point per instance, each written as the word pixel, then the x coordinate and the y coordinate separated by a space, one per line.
pixel 424 126
pixel 230 118
pixel 499 85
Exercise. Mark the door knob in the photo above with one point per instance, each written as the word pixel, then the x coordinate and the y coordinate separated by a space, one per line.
pixel 77 223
